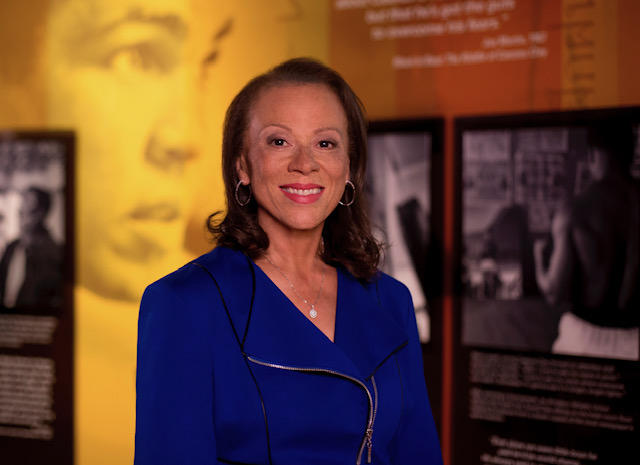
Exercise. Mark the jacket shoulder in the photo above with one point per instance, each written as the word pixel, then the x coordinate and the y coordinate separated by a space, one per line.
pixel 221 277
pixel 392 295
pixel 389 288
pixel 192 276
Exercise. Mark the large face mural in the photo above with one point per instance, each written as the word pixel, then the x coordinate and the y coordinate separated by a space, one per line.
pixel 144 84
pixel 130 77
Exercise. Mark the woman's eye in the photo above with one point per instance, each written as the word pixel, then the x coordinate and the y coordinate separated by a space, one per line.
pixel 326 144
pixel 278 142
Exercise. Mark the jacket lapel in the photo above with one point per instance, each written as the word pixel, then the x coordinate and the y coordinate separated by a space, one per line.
pixel 273 330
pixel 365 331
pixel 279 334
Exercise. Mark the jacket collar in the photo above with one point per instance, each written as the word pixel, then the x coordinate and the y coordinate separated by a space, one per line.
pixel 273 330
pixel 280 334
pixel 230 271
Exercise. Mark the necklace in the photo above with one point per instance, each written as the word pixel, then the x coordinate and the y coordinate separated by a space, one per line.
pixel 312 312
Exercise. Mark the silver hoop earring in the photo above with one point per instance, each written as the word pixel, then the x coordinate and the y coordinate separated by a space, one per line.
pixel 246 202
pixel 353 196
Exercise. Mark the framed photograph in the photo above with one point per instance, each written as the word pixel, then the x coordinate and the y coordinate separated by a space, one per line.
pixel 518 175
pixel 36 296
pixel 547 287
pixel 404 190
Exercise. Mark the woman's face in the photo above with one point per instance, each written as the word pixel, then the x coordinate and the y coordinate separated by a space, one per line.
pixel 125 74
pixel 296 156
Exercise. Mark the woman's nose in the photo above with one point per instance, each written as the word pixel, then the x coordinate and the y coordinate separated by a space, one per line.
pixel 303 160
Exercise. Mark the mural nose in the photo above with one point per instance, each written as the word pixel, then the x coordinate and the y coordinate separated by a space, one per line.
pixel 169 148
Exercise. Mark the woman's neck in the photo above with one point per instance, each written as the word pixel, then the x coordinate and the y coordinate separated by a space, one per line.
pixel 301 254
pixel 298 250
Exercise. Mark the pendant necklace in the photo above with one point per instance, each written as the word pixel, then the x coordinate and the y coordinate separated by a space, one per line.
pixel 312 312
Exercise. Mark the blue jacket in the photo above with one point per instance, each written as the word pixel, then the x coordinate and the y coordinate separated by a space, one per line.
pixel 230 372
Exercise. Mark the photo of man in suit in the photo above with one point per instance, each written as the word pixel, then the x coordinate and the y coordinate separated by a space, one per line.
pixel 30 269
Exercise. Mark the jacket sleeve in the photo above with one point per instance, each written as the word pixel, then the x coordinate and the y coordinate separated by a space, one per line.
pixel 416 439
pixel 174 385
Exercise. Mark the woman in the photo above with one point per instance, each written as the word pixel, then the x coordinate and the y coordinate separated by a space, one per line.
pixel 284 345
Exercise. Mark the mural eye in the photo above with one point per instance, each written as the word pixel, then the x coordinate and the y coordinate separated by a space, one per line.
pixel 138 59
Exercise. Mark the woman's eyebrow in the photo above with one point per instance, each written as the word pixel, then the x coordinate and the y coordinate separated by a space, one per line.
pixel 329 128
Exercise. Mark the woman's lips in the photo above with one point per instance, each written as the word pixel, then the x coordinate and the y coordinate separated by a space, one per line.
pixel 302 193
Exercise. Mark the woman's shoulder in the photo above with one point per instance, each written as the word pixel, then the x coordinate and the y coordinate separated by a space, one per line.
pixel 221 263
pixel 221 279
pixel 393 296
pixel 388 284
pixel 379 278
pixel 386 290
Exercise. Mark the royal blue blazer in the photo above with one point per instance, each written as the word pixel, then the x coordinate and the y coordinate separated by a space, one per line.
pixel 230 372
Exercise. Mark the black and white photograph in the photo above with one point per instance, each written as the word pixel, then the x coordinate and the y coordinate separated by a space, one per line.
pixel 32 223
pixel 549 233
pixel 400 197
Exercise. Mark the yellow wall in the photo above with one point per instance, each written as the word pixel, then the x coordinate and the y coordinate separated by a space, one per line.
pixel 144 84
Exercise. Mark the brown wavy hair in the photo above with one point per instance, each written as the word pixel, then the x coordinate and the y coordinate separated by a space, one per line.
pixel 348 238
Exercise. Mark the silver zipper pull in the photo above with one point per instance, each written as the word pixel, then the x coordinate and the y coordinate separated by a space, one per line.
pixel 369 444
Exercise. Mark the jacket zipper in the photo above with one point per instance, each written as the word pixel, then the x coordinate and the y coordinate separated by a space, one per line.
pixel 369 432
pixel 373 405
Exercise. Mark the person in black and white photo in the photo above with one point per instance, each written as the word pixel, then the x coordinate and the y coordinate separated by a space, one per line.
pixel 590 262
pixel 30 269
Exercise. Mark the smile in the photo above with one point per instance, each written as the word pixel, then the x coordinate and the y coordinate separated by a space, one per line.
pixel 291 190
pixel 302 193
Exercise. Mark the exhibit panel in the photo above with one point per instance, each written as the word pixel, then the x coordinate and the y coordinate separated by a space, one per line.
pixel 547 288
pixel 36 301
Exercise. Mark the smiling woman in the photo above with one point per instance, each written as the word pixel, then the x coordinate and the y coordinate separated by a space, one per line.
pixel 285 344
pixel 347 231
pixel 296 159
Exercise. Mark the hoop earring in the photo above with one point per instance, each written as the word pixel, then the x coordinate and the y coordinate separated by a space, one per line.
pixel 246 202
pixel 353 197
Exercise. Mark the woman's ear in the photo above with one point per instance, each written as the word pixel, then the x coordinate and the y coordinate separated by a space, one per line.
pixel 242 171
